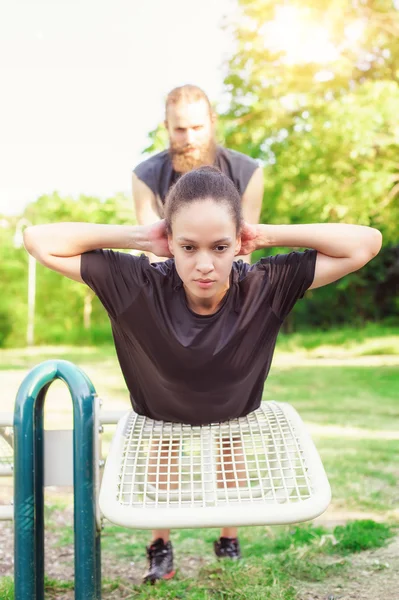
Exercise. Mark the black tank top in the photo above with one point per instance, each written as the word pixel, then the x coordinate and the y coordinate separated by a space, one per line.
pixel 158 174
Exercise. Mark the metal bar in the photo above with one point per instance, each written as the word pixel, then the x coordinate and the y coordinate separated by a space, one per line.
pixel 6 419
pixel 98 565
pixel 28 482
pixel 86 554
pixel 39 490
pixel 6 512
pixel 111 417
pixel 25 499
pixel 6 471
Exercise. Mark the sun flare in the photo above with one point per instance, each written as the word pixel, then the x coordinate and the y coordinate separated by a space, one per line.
pixel 301 39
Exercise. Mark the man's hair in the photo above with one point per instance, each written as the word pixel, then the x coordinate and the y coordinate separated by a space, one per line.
pixel 201 184
pixel 186 93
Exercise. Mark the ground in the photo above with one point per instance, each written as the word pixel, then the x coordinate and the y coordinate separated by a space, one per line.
pixel 350 406
pixel 371 574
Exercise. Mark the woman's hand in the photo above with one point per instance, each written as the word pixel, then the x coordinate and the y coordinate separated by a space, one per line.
pixel 158 239
pixel 249 235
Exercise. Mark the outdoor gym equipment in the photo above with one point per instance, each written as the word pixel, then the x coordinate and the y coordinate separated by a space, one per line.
pixel 259 469
pixel 262 469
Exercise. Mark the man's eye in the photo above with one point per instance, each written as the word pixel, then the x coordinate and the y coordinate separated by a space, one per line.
pixel 197 127
pixel 221 248
pixel 188 248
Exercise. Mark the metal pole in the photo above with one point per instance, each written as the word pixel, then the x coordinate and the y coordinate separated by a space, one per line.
pixel 30 332
pixel 39 490
pixel 18 243
pixel 25 500
pixel 28 482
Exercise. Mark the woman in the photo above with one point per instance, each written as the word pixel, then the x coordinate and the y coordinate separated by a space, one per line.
pixel 195 334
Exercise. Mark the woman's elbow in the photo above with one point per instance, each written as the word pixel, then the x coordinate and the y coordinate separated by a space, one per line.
pixel 32 243
pixel 375 242
pixel 29 239
pixel 368 248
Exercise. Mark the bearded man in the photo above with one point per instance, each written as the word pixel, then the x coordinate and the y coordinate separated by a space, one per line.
pixel 190 123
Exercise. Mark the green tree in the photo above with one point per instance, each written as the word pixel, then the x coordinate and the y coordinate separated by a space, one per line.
pixel 325 127
pixel 13 276
pixel 314 95
pixel 65 310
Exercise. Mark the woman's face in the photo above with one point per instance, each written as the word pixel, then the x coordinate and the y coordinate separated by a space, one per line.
pixel 204 243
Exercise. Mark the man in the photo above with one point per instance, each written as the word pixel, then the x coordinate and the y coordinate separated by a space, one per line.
pixel 190 122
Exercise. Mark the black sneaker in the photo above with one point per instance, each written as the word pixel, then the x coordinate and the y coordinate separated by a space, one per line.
pixel 227 548
pixel 160 556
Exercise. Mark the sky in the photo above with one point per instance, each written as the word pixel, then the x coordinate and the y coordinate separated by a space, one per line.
pixel 84 81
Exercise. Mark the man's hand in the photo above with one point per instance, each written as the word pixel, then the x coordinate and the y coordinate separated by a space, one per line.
pixel 249 235
pixel 158 239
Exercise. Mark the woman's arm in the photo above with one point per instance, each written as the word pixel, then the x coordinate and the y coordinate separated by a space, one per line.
pixel 341 248
pixel 59 246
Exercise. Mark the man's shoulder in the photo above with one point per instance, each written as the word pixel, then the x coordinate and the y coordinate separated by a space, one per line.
pixel 237 166
pixel 236 157
pixel 153 162
pixel 152 170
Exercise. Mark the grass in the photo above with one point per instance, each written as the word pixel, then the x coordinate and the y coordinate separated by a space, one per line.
pixel 363 473
pixel 355 396
pixel 6 588
pixel 361 535
pixel 256 542
pixel 353 409
pixel 276 561
pixel 372 339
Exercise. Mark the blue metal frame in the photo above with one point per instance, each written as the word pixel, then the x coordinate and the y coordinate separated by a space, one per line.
pixel 29 479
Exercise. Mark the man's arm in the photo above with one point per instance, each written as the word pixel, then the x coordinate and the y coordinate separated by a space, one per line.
pixel 146 207
pixel 59 246
pixel 144 202
pixel 252 197
pixel 252 202
pixel 341 248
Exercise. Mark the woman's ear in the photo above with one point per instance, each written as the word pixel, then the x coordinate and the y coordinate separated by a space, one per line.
pixel 238 245
pixel 170 244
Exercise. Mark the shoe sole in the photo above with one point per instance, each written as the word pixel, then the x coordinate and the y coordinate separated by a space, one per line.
pixel 167 576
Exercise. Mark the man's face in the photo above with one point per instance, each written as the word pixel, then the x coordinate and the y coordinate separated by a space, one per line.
pixel 191 135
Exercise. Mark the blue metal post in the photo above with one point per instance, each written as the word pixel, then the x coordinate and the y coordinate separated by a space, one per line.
pixel 28 482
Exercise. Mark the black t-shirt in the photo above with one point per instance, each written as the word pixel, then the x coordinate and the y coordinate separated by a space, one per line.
pixel 158 174
pixel 190 368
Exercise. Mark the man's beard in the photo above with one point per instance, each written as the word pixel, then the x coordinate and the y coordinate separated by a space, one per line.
pixel 184 161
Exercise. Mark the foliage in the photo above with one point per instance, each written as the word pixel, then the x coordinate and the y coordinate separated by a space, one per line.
pixel 322 120
pixel 59 301
pixel 366 295
pixel 325 128
pixel 361 535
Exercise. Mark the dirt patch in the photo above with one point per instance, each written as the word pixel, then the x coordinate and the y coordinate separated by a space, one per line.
pixel 371 575
pixel 59 558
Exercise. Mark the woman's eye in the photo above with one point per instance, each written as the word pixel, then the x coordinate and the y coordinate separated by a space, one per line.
pixel 188 248
pixel 220 248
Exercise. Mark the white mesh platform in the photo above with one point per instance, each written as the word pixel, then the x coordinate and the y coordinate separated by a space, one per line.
pixel 256 470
